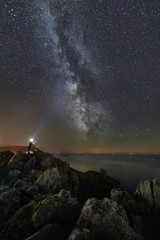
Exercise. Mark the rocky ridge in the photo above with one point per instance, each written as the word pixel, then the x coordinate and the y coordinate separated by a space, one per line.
pixel 41 197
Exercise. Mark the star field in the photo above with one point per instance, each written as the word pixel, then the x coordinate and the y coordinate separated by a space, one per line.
pixel 80 75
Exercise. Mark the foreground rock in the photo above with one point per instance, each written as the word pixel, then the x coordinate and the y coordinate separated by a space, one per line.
pixel 103 219
pixel 150 190
pixel 121 196
pixel 41 197
pixel 60 207
pixel 53 218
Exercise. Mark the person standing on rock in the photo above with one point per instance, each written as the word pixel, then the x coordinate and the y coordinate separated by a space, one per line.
pixel 31 143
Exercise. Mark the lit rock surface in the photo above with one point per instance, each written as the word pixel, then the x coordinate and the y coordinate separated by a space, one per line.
pixel 144 190
pixel 149 190
pixel 120 195
pixel 103 219
pixel 50 180
pixel 156 191
pixel 53 207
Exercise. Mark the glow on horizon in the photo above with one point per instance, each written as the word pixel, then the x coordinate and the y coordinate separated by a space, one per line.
pixel 110 151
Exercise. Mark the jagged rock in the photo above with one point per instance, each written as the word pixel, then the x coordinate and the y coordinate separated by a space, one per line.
pixel 42 175
pixel 150 190
pixel 103 219
pixel 144 190
pixel 156 191
pixel 48 161
pixel 50 180
pixel 66 198
pixel 120 195
pixel 60 206
pixel 41 169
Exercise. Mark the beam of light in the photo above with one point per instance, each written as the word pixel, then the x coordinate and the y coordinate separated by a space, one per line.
pixel 44 119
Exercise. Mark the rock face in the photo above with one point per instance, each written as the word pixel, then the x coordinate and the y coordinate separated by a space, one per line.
pixel 144 190
pixel 120 195
pixel 103 219
pixel 50 180
pixel 55 207
pixel 156 191
pixel 150 190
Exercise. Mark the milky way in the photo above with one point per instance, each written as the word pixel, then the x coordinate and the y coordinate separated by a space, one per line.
pixel 81 74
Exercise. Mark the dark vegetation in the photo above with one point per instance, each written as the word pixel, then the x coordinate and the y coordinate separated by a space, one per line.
pixel 95 184
pixel 20 224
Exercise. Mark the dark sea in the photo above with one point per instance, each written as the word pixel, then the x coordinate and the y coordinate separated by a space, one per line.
pixel 128 169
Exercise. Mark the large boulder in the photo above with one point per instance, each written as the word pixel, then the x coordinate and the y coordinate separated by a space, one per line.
pixel 144 190
pixel 61 208
pixel 156 191
pixel 120 195
pixel 103 219
pixel 149 190
pixel 50 180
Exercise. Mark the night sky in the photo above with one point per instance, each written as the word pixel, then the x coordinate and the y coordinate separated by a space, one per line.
pixel 80 76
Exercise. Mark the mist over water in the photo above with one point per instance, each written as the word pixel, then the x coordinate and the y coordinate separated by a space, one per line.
pixel 128 169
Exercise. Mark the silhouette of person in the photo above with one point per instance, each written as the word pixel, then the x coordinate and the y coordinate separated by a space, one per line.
pixel 30 145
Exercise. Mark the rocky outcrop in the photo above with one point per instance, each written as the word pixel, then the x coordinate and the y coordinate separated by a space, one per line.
pixel 50 180
pixel 120 195
pixel 39 169
pixel 144 190
pixel 103 219
pixel 156 191
pixel 149 190
pixel 41 198
pixel 60 206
